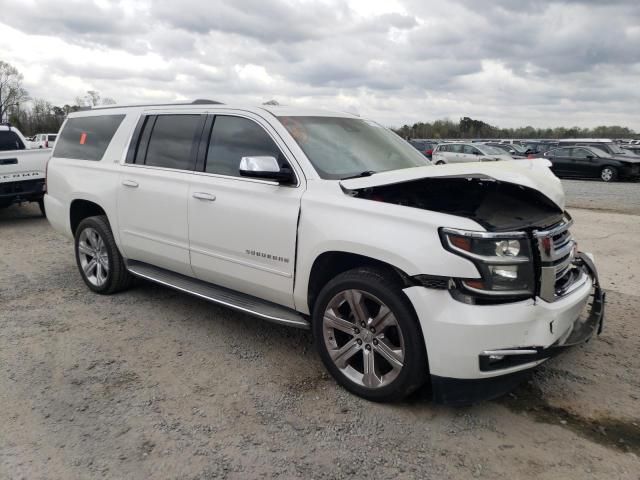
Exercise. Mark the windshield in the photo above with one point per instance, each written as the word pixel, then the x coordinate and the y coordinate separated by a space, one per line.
pixel 489 150
pixel 599 152
pixel 345 147
pixel 616 149
pixel 519 148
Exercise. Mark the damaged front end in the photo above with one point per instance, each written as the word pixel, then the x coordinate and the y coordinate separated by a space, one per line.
pixel 524 248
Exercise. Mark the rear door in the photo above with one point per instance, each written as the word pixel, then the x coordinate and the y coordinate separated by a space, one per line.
pixel 243 231
pixel 455 154
pixel 153 190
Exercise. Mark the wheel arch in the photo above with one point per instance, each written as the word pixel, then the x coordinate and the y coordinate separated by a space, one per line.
pixel 79 209
pixel 331 263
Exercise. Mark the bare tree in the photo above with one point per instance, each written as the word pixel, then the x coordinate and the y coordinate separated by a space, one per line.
pixel 11 91
pixel 93 99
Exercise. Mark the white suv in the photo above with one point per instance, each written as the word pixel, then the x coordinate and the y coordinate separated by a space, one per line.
pixel 467 152
pixel 463 275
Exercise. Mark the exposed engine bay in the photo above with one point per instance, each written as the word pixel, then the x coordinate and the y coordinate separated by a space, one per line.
pixel 496 205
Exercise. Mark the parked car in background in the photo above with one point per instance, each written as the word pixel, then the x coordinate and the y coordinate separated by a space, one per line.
pixel 44 140
pixel 12 139
pixel 605 144
pixel 539 147
pixel 424 146
pixel 466 276
pixel 22 170
pixel 516 151
pixel 592 162
pixel 467 152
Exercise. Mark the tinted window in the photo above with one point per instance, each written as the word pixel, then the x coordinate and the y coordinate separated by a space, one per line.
pixel 470 150
pixel 171 141
pixel 52 138
pixel 87 138
pixel 233 138
pixel 455 148
pixel 579 153
pixel 10 141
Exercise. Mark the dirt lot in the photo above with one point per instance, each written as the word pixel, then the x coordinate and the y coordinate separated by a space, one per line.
pixel 152 383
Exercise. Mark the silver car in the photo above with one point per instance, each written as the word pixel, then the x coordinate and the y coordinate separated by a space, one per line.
pixel 467 152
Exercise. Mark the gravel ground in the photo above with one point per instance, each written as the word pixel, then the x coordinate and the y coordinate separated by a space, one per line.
pixel 621 197
pixel 151 383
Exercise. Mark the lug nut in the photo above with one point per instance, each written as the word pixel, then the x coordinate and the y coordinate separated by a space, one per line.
pixel 363 324
pixel 356 330
pixel 373 330
pixel 375 341
pixel 367 346
pixel 359 342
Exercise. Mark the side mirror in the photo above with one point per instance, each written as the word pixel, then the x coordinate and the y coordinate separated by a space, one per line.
pixel 266 168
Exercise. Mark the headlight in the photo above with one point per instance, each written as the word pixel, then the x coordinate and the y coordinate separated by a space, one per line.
pixel 504 261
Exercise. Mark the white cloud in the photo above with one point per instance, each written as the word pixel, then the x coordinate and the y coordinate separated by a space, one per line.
pixel 507 62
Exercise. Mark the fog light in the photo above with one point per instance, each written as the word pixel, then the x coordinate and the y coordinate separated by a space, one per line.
pixel 509 272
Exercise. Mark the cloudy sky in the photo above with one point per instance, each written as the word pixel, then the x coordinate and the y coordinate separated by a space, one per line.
pixel 507 62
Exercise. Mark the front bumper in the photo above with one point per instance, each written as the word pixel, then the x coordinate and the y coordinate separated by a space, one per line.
pixel 478 352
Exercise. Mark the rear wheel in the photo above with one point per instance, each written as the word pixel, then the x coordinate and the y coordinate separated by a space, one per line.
pixel 608 174
pixel 440 162
pixel 368 337
pixel 98 258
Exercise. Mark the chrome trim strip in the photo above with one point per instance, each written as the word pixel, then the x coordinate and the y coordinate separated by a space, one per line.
pixel 477 234
pixel 497 293
pixel 565 225
pixel 510 352
pixel 209 253
pixel 283 321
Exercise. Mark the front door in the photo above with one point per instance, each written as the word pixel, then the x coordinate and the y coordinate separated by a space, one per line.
pixel 243 231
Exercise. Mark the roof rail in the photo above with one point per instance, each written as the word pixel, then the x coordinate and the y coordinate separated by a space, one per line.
pixel 204 101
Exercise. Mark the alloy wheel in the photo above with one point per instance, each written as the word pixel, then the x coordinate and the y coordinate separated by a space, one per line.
pixel 363 338
pixel 606 174
pixel 94 259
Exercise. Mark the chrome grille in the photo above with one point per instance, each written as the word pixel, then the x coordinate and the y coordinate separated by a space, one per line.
pixel 557 250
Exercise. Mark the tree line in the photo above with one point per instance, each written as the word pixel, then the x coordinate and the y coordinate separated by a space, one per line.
pixel 36 115
pixel 470 128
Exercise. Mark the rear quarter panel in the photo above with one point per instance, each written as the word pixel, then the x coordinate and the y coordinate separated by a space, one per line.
pixel 96 181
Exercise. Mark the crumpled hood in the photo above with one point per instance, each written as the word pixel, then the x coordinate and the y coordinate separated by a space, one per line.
pixel 533 173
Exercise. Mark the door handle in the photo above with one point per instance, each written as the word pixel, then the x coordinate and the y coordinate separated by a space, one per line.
pixel 130 183
pixel 204 196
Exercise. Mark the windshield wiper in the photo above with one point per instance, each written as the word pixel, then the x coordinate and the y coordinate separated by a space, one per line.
pixel 366 173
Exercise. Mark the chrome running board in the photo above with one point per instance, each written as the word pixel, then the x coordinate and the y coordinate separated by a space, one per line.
pixel 220 295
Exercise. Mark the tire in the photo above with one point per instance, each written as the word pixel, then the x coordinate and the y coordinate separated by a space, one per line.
pixel 396 351
pixel 94 240
pixel 42 209
pixel 440 162
pixel 609 174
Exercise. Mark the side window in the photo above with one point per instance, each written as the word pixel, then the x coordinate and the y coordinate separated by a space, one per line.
pixel 10 141
pixel 443 148
pixel 171 142
pixel 87 138
pixel 579 153
pixel 233 138
pixel 470 150
pixel 455 148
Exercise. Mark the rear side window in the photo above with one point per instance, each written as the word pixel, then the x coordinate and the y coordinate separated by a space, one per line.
pixel 233 138
pixel 52 138
pixel 87 138
pixel 171 142
pixel 10 141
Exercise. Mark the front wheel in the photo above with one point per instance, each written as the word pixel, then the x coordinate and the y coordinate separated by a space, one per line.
pixel 368 336
pixel 608 174
pixel 98 258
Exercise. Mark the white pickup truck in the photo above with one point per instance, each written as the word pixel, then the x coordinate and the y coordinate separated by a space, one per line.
pixel 465 276
pixel 22 171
